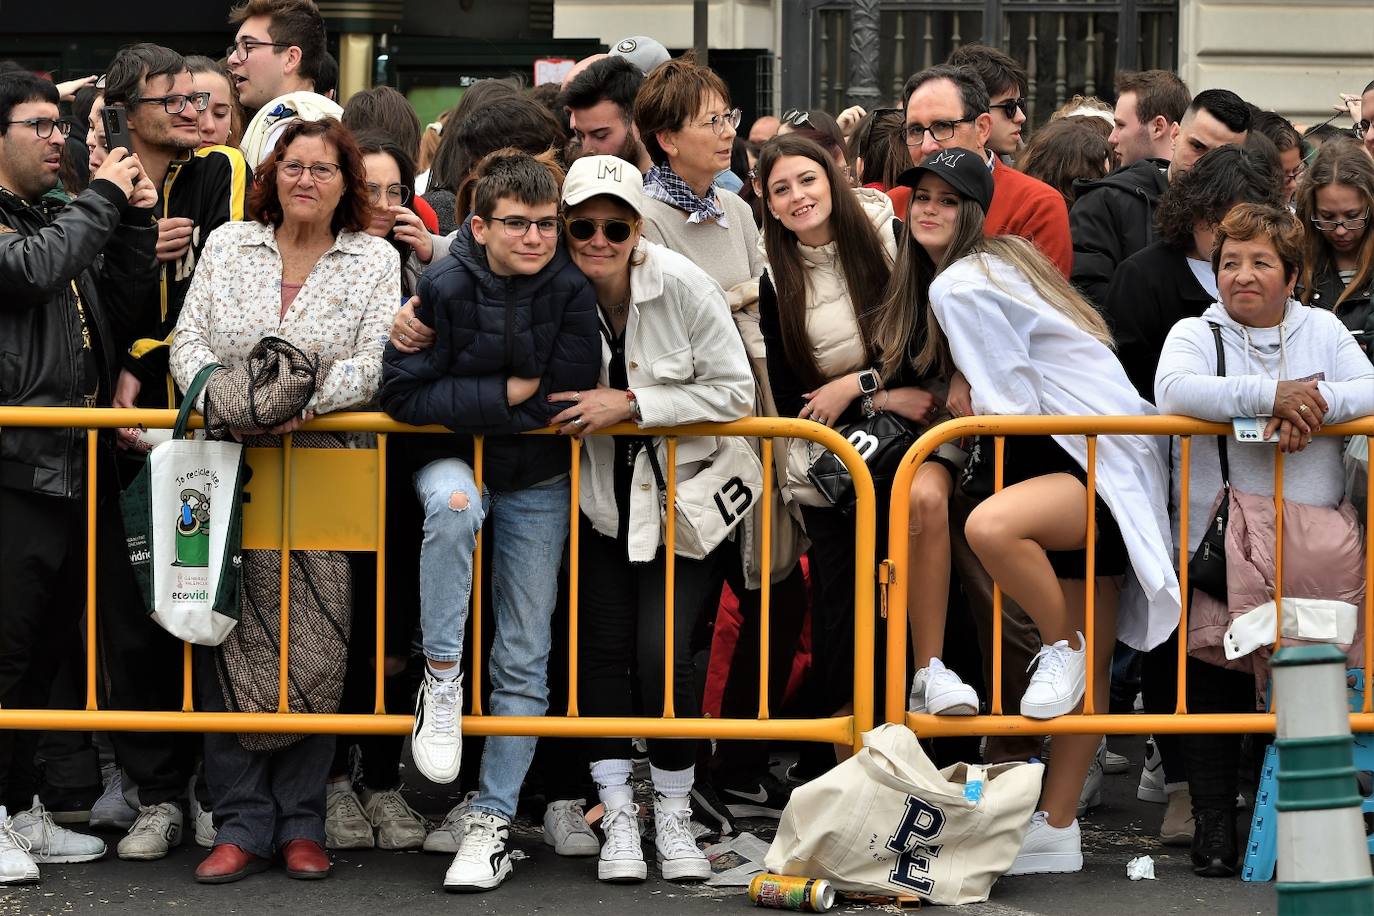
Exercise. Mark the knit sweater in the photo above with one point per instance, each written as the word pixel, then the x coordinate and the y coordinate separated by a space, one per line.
pixel 1026 206
pixel 730 255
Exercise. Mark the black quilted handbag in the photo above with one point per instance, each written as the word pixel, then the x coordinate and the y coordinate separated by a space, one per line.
pixel 881 440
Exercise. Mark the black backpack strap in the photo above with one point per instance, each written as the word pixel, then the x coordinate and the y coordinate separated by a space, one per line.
pixel 1221 371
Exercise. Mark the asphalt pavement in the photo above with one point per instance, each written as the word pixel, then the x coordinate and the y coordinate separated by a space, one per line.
pixel 375 882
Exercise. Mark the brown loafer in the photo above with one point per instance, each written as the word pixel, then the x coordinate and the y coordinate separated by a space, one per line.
pixel 306 860
pixel 227 862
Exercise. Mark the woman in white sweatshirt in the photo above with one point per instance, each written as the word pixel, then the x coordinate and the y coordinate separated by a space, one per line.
pixel 1030 345
pixel 1295 368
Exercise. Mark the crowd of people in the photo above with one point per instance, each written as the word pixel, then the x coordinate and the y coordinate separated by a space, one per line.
pixel 624 252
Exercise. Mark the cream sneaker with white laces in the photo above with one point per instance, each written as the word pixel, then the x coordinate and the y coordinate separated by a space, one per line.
pixel 345 824
pixel 16 865
pixel 154 833
pixel 679 857
pixel 398 825
pixel 1059 681
pixel 622 857
pixel 51 843
pixel 448 836
pixel 566 830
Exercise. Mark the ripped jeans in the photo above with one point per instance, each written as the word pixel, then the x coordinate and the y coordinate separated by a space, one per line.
pixel 526 538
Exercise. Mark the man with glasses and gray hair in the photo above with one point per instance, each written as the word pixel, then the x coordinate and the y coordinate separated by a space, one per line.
pixel 198 190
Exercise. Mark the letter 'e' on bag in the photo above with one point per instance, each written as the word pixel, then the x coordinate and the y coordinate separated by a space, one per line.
pixel 183 523
pixel 887 822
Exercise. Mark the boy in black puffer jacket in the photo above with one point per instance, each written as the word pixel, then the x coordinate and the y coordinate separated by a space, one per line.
pixel 513 320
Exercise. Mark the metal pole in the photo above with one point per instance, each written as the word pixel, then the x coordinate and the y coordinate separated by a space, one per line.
pixel 699 23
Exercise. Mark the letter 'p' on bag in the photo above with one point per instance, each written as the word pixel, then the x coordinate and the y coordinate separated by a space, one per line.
pixel 183 523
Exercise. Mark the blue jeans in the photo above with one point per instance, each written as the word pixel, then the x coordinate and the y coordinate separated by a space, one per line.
pixel 528 531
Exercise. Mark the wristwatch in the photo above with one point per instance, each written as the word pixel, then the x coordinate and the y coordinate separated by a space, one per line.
pixel 869 382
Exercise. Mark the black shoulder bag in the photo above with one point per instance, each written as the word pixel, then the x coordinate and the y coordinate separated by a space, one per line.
pixel 1207 568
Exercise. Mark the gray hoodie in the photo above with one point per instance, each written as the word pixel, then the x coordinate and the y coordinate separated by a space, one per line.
pixel 1314 345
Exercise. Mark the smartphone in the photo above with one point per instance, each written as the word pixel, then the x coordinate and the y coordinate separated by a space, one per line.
pixel 116 120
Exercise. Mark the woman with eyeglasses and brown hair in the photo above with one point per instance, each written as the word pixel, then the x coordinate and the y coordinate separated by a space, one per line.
pixel 1335 204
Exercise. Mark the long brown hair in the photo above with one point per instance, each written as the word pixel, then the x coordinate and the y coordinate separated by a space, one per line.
pixel 862 258
pixel 1337 162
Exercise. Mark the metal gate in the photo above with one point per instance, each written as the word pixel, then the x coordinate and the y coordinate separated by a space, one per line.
pixel 862 51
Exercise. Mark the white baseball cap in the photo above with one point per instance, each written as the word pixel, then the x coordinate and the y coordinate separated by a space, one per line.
pixel 592 176
pixel 644 52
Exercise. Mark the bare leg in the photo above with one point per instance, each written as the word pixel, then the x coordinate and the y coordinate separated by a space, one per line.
pixel 928 562
pixel 1010 532
pixel 1073 754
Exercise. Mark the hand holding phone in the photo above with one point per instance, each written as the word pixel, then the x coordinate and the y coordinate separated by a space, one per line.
pixel 116 120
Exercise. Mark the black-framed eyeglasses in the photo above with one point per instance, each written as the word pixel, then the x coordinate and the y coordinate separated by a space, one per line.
pixel 796 117
pixel 320 171
pixel 717 122
pixel 615 230
pixel 397 194
pixel 240 49
pixel 1009 107
pixel 1295 174
pixel 517 226
pixel 44 127
pixel 939 131
pixel 1351 222
pixel 175 104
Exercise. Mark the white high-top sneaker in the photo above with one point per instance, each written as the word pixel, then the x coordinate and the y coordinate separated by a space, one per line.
pixel 679 857
pixel 481 862
pixel 436 741
pixel 51 843
pixel 622 857
pixel 16 865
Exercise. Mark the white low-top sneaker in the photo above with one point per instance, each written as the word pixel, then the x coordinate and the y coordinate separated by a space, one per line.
pixel 436 742
pixel 481 862
pixel 938 691
pixel 203 820
pixel 111 809
pixel 398 825
pixel 1059 681
pixel 566 830
pixel 154 833
pixel 51 843
pixel 345 824
pixel 1049 850
pixel 16 865
pixel 679 857
pixel 622 857
pixel 448 836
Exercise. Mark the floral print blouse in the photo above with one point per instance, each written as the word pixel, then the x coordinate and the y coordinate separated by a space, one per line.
pixel 342 313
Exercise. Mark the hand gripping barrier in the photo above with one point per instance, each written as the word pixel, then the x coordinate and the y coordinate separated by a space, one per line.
pixel 335 499
pixel 894 579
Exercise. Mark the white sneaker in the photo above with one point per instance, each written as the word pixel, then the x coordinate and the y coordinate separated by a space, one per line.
pixel 1059 681
pixel 1113 764
pixel 1091 795
pixel 1151 788
pixel 566 830
pixel 482 861
pixel 51 843
pixel 448 836
pixel 204 820
pixel 679 857
pixel 937 690
pixel 156 831
pixel 16 865
pixel 345 825
pixel 436 742
pixel 622 858
pixel 398 825
pixel 1048 850
pixel 111 810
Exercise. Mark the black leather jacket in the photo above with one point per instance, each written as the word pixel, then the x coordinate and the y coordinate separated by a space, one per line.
pixel 69 275
pixel 1356 312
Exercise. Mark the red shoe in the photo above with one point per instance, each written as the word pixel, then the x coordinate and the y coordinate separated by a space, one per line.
pixel 227 862
pixel 306 860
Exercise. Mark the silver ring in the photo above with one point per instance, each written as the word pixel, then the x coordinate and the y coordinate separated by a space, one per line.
pixel 820 420
pixel 404 339
pixel 578 421
pixel 1302 408
pixel 577 396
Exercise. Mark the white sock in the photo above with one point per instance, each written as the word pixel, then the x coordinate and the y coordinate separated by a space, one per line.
pixel 673 783
pixel 446 674
pixel 612 778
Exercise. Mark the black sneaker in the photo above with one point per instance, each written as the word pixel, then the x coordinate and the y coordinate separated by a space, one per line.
pixel 709 808
pixel 762 799
pixel 1214 843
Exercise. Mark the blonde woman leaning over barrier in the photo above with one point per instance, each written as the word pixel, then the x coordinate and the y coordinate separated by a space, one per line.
pixel 1030 345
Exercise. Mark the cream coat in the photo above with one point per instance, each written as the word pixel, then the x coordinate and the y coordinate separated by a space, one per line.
pixel 686 364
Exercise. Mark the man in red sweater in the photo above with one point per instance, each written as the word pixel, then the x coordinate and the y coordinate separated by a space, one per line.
pixel 947 108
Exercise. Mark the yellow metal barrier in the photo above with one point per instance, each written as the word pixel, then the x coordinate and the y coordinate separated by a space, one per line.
pixel 894 578
pixel 335 499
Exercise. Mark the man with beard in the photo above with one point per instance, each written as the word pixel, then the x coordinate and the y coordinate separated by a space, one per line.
pixel 600 102
pixel 198 190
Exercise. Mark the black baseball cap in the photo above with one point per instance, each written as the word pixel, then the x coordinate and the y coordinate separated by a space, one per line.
pixel 964 171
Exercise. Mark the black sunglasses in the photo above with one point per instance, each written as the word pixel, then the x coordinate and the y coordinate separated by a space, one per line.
pixel 1008 107
pixel 616 230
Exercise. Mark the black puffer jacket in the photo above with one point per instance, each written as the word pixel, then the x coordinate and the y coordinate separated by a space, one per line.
pixel 1356 312
pixel 1112 219
pixel 70 276
pixel 489 328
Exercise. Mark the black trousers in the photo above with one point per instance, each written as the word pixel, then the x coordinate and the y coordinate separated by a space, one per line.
pixel 1214 760
pixel 42 596
pixel 1159 694
pixel 621 627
